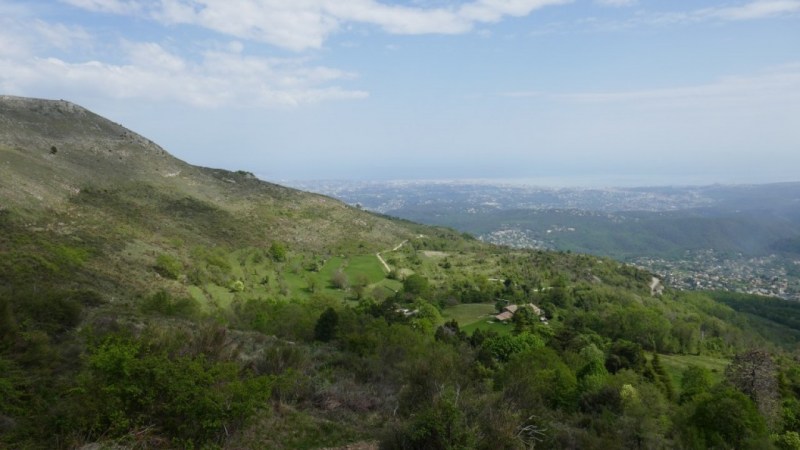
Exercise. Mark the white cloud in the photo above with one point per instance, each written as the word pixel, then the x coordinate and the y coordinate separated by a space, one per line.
pixel 616 3
pixel 108 6
pixel 303 24
pixel 14 43
pixel 60 36
pixel 752 10
pixel 757 10
pixel 24 37
pixel 221 78
pixel 777 86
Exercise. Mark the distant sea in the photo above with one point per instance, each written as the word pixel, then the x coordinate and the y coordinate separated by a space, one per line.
pixel 580 181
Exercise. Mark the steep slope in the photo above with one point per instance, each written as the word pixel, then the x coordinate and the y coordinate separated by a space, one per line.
pixel 51 152
pixel 123 200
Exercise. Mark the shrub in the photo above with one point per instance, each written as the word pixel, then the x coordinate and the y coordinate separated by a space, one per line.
pixel 169 267
pixel 52 312
pixel 277 251
pixel 504 346
pixel 237 286
pixel 339 280
pixel 163 303
pixel 190 399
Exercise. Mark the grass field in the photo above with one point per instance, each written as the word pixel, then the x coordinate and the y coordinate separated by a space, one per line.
pixel 289 279
pixel 468 313
pixel 368 265
pixel 676 364
pixel 391 285
pixel 326 272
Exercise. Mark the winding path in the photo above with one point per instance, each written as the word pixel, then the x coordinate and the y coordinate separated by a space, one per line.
pixel 383 261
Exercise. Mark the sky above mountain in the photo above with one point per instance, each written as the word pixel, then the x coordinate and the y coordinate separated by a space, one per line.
pixel 561 92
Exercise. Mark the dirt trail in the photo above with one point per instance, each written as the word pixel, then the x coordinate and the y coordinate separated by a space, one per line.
pixel 383 261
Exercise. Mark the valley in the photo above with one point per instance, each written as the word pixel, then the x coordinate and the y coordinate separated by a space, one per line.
pixel 736 238
pixel 147 303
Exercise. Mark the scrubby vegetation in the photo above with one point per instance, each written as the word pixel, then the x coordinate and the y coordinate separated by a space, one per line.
pixel 613 367
pixel 229 313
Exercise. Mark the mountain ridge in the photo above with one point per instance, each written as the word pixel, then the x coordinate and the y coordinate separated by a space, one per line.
pixel 52 149
pixel 94 185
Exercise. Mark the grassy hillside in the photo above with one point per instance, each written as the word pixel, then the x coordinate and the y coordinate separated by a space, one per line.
pixel 148 303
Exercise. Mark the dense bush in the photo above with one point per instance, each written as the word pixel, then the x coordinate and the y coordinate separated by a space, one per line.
pixel 168 266
pixel 190 399
pixel 164 304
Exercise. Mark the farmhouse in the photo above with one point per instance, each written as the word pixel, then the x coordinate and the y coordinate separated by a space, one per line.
pixel 509 311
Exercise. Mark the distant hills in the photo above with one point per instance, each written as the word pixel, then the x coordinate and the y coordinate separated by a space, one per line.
pixel 619 222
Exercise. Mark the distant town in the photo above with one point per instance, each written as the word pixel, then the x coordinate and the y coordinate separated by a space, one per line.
pixel 695 270
pixel 693 238
pixel 707 270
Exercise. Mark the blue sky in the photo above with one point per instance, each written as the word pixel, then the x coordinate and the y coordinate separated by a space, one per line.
pixel 550 91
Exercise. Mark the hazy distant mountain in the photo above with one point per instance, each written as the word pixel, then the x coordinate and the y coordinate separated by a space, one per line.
pixel 619 222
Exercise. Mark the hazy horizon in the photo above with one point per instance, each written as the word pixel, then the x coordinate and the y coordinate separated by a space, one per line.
pixel 593 182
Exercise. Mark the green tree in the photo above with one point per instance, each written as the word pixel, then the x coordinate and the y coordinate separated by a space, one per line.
pixel 450 333
pixel 592 376
pixel 416 286
pixel 695 381
pixel 788 441
pixel 163 303
pixel 278 252
pixel 726 418
pixel 524 319
pixel 662 378
pixel 504 346
pixel 327 325
pixel 625 355
pixel 539 376
pixel 426 317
